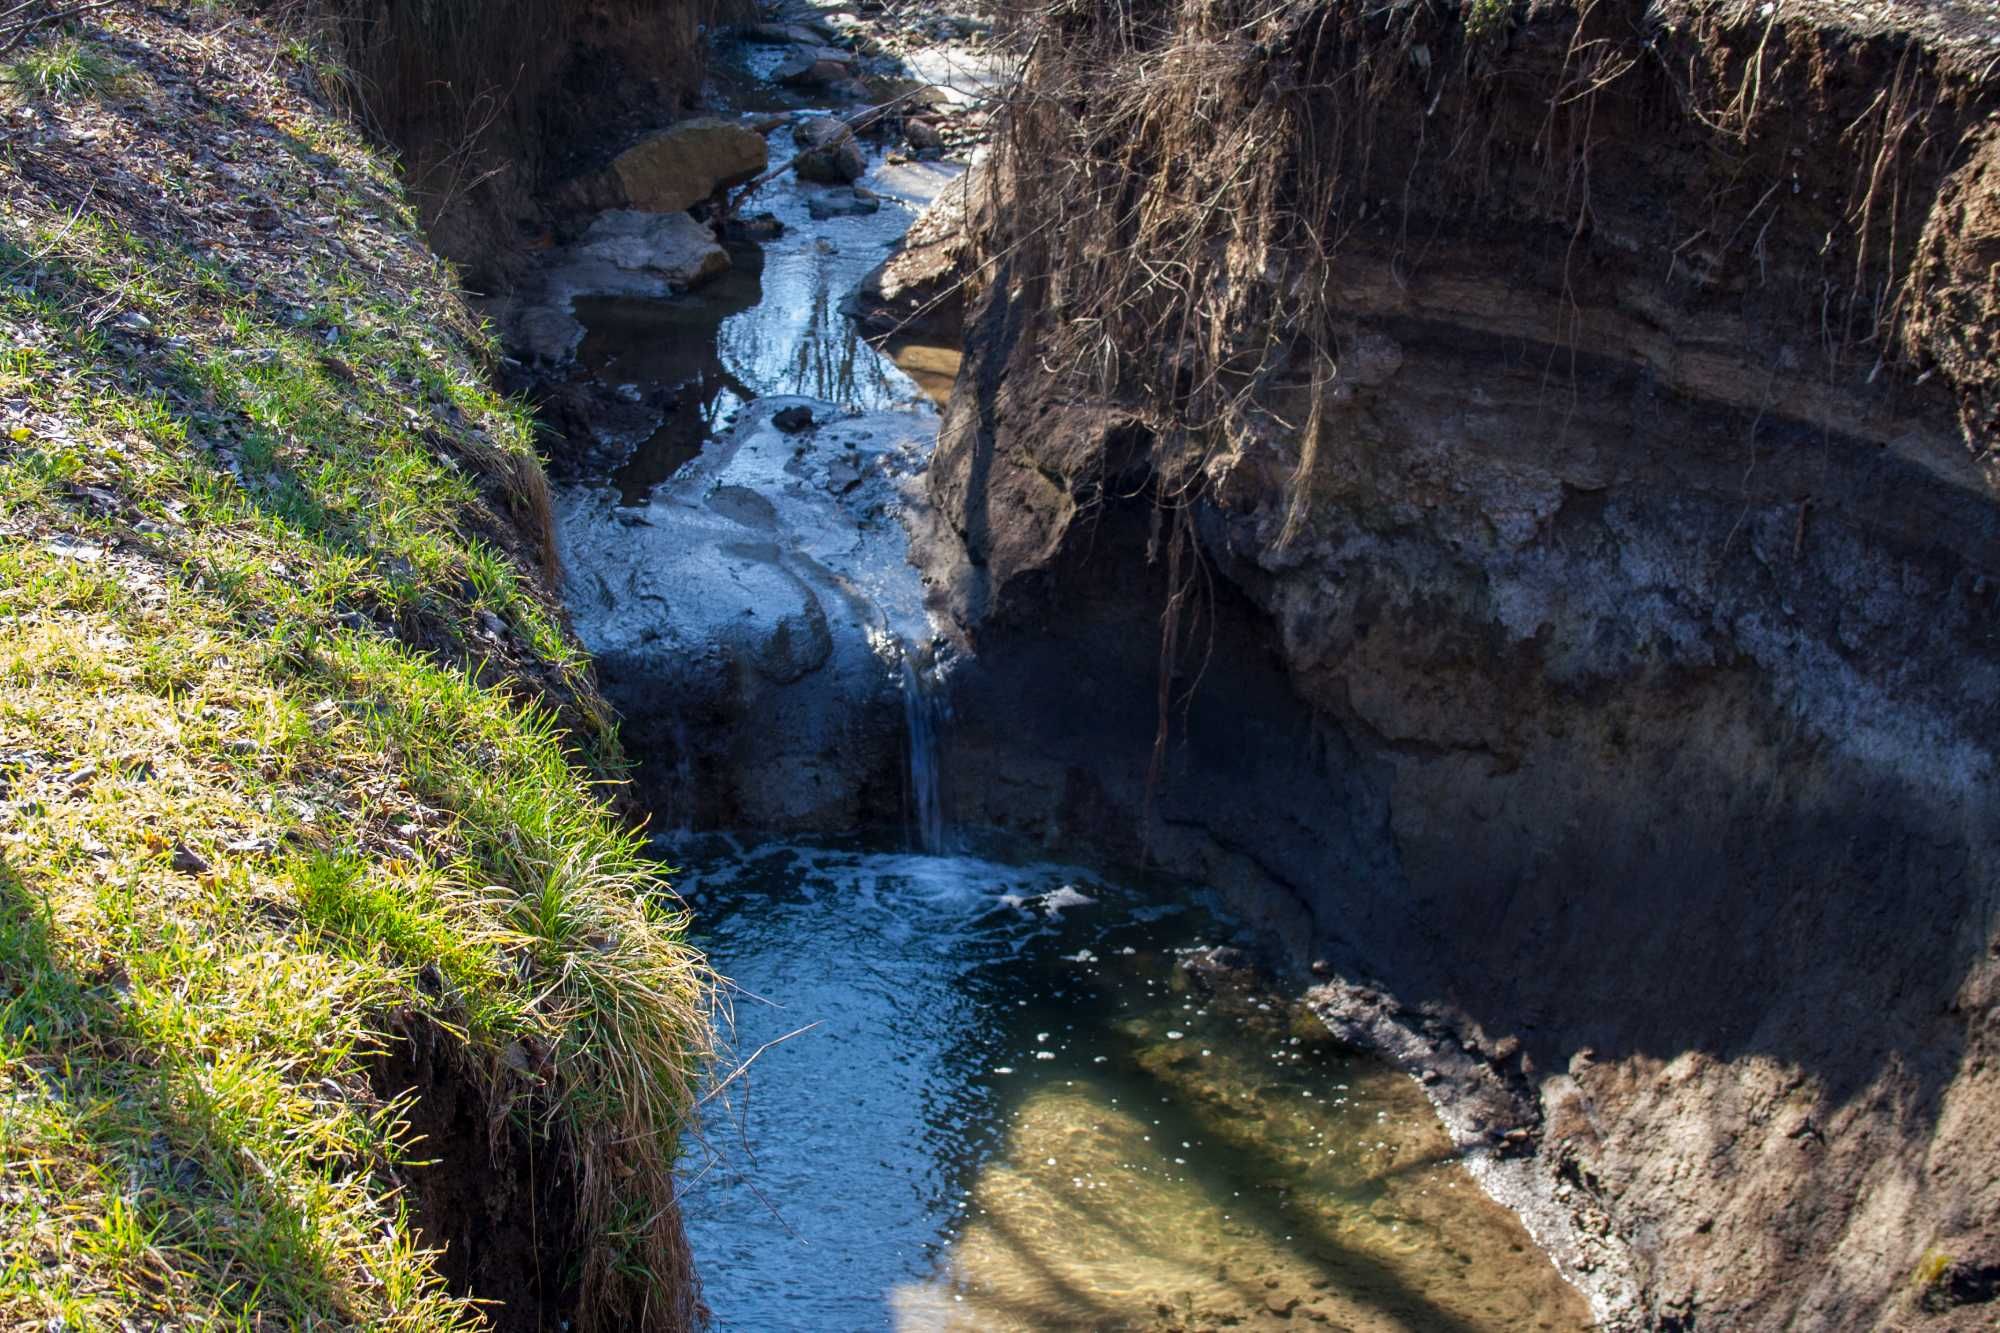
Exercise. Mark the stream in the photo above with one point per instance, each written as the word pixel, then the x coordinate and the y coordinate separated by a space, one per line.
pixel 979 1091
pixel 1007 1094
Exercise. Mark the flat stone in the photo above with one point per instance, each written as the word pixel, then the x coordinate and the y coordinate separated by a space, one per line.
pixel 671 245
pixel 780 34
pixel 623 253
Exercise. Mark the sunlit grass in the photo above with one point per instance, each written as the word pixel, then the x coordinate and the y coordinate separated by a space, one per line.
pixel 292 760
pixel 62 67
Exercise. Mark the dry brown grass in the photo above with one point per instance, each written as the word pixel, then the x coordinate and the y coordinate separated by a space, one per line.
pixel 1183 176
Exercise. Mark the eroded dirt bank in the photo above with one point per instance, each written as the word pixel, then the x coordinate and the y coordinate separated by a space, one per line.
pixel 1571 447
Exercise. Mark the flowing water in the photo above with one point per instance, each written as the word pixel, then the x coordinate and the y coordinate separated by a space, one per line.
pixel 990 1095
pixel 771 326
pixel 1000 1099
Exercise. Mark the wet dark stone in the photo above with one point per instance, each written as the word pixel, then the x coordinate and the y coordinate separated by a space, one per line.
pixel 756 227
pixel 849 203
pixel 792 420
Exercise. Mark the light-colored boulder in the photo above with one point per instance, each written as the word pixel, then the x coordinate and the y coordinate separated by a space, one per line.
pixel 624 253
pixel 678 167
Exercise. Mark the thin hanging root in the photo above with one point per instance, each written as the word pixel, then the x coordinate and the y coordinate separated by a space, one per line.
pixel 1324 373
pixel 1182 552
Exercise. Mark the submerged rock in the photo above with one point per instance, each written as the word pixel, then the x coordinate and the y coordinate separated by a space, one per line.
pixel 758 227
pixel 848 203
pixel 623 253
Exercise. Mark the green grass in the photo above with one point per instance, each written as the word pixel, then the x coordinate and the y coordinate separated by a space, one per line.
pixel 63 67
pixel 1487 19
pixel 273 790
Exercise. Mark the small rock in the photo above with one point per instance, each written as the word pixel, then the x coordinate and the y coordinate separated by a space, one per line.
pixel 756 227
pixel 133 322
pixel 828 151
pixel 792 420
pixel 848 203
pixel 922 134
pixel 189 861
pixel 820 67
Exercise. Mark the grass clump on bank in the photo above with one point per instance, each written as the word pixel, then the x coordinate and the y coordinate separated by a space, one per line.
pixel 62 67
pixel 287 730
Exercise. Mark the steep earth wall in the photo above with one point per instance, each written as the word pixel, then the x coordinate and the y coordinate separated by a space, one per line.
pixel 494 103
pixel 1567 436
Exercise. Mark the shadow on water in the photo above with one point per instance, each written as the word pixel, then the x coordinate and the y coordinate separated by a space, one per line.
pixel 1187 1105
pixel 970 1122
pixel 1183 1114
pixel 672 345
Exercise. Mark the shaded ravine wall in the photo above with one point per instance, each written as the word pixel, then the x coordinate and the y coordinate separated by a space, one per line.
pixel 1617 693
pixel 494 104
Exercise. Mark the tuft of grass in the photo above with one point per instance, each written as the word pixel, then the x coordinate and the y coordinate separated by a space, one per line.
pixel 1930 1270
pixel 64 67
pixel 294 754
pixel 1486 19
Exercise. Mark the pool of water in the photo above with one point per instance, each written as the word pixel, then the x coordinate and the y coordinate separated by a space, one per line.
pixel 993 1095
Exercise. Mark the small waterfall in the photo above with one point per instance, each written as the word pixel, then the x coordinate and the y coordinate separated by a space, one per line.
pixel 680 789
pixel 924 715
